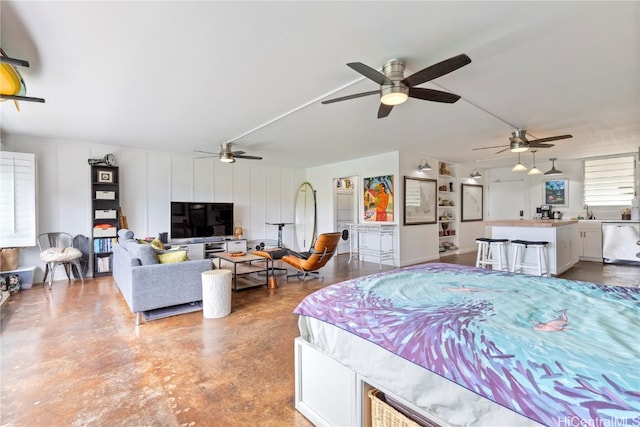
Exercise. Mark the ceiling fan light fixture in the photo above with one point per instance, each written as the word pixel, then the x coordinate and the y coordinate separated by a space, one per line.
pixel 226 157
pixel 553 170
pixel 518 147
pixel 424 166
pixel 394 95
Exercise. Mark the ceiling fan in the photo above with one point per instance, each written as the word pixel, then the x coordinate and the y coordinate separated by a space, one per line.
pixel 395 88
pixel 518 142
pixel 226 155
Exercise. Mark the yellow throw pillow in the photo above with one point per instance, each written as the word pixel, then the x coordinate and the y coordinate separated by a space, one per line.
pixel 172 256
pixel 157 244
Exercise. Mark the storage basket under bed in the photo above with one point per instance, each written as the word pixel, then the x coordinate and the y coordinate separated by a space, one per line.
pixel 384 415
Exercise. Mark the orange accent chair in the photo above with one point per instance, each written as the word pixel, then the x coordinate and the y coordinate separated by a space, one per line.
pixel 308 263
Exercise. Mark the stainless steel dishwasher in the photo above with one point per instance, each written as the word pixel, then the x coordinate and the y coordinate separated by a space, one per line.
pixel 619 242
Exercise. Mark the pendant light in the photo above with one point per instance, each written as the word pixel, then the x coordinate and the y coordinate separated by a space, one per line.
pixel 519 167
pixel 534 170
pixel 553 170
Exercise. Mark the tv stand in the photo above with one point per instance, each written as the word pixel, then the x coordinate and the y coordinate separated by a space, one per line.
pixel 205 248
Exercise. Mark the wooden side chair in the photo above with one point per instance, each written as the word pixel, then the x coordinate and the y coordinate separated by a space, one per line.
pixel 308 263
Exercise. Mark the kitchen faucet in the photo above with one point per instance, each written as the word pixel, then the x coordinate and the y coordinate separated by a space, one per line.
pixel 588 214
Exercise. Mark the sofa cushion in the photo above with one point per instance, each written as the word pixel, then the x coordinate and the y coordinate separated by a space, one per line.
pixel 145 253
pixel 172 256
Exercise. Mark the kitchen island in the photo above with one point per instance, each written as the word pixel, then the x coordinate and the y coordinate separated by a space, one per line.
pixel 562 235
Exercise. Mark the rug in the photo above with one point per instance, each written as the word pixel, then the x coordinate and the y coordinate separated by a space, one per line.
pixel 161 313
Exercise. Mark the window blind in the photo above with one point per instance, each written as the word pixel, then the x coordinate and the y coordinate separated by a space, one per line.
pixel 17 200
pixel 609 181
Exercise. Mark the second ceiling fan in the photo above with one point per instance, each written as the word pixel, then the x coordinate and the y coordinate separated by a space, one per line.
pixel 518 142
pixel 395 88
pixel 228 156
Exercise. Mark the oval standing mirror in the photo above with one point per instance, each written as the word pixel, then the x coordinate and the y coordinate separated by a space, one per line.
pixel 305 216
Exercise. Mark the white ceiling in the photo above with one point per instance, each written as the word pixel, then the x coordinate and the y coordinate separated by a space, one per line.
pixel 180 76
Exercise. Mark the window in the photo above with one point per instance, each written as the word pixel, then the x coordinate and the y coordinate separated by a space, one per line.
pixel 609 181
pixel 17 200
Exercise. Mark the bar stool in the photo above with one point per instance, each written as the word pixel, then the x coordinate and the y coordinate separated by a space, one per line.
pixel 492 253
pixel 520 247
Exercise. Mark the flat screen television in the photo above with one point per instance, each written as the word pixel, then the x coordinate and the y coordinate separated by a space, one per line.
pixel 191 220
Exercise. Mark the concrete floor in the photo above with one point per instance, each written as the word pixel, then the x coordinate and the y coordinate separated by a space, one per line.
pixel 73 356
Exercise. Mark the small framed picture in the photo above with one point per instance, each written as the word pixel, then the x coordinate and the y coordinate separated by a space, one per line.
pixel 105 177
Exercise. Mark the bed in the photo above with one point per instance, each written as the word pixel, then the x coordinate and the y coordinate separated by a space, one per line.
pixel 466 346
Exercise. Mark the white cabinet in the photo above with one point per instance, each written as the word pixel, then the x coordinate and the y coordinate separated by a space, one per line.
pixel 566 249
pixel 590 241
pixel 448 202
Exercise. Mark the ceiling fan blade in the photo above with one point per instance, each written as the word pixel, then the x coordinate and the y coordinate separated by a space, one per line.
pixel 384 110
pixel 370 73
pixel 484 148
pixel 437 70
pixel 247 157
pixel 551 138
pixel 206 152
pixel 541 145
pixel 237 153
pixel 356 95
pixel 433 95
pixel 502 151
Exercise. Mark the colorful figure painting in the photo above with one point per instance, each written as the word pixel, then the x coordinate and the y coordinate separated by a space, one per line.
pixel 378 199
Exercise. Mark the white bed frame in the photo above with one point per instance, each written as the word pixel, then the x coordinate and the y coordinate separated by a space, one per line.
pixel 328 393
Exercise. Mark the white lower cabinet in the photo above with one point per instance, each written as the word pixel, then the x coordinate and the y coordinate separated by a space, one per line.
pixel 590 241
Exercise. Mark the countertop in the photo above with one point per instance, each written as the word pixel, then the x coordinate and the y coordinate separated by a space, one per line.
pixel 531 222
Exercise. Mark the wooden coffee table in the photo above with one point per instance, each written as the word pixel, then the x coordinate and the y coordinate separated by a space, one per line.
pixel 243 266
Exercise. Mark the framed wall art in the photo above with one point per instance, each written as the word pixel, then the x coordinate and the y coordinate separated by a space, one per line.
pixel 419 201
pixel 378 199
pixel 472 204
pixel 105 176
pixel 556 192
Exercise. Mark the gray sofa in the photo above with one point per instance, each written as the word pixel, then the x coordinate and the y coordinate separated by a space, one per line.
pixel 147 284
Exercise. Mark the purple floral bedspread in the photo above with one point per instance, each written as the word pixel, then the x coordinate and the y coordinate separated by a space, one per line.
pixel 561 352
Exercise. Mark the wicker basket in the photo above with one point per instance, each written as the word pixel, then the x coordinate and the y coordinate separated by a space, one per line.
pixel 383 415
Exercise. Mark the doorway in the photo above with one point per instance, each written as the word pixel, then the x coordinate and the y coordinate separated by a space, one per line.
pixel 345 193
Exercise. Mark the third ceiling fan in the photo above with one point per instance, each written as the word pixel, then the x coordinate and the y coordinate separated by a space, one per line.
pixel 518 142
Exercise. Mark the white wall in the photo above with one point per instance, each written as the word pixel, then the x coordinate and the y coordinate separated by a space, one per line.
pixel 149 181
pixel 418 243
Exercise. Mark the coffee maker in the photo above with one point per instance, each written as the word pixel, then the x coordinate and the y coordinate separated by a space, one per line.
pixel 545 212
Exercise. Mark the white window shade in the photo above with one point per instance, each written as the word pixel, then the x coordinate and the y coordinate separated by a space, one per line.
pixel 17 200
pixel 609 181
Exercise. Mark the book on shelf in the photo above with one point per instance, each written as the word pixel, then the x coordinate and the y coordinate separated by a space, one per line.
pixel 103 245
pixel 103 264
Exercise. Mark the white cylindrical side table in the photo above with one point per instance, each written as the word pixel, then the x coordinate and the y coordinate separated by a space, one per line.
pixel 216 293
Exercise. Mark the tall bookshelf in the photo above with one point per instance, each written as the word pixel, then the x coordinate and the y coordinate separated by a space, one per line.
pixel 448 212
pixel 105 195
